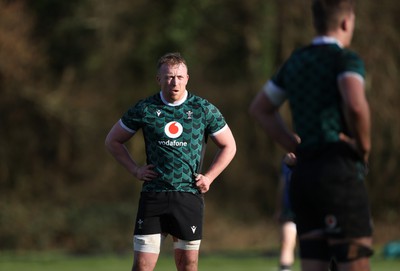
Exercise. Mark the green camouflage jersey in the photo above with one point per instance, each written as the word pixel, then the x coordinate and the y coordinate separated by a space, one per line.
pixel 175 136
pixel 309 80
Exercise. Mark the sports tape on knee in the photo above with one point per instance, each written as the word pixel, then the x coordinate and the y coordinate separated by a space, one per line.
pixel 187 245
pixel 150 243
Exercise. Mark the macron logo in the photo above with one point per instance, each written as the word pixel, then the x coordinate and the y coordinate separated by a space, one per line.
pixel 193 228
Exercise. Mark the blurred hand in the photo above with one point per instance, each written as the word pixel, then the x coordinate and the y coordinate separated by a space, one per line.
pixel 352 142
pixel 290 159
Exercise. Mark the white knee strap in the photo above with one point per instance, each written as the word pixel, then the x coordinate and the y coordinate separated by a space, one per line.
pixel 187 245
pixel 150 243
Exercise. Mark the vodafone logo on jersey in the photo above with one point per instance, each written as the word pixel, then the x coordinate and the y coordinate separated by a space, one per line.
pixel 173 129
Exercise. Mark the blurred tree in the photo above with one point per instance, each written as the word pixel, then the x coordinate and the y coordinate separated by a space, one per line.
pixel 66 36
pixel 68 70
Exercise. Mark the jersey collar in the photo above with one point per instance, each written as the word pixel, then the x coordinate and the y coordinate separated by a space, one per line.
pixel 320 40
pixel 176 103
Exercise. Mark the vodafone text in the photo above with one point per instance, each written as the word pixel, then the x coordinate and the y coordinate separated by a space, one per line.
pixel 172 143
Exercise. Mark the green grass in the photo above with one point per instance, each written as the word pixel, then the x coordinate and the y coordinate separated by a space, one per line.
pixel 232 261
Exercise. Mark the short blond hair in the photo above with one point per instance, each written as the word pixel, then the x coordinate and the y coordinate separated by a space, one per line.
pixel 171 59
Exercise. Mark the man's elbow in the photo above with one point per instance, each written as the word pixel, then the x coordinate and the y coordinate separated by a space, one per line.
pixel 253 111
pixel 229 148
pixel 233 150
pixel 259 111
pixel 108 143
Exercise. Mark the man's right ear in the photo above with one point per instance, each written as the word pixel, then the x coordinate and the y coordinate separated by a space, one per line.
pixel 344 24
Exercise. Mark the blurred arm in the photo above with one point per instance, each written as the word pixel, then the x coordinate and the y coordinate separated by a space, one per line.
pixel 267 115
pixel 356 110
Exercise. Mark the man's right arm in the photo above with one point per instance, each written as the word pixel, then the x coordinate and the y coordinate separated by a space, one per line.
pixel 266 113
pixel 115 144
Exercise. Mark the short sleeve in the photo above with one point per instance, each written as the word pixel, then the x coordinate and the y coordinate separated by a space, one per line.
pixel 214 118
pixel 132 119
pixel 350 62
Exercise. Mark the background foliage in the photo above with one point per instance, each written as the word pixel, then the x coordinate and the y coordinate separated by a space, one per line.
pixel 69 69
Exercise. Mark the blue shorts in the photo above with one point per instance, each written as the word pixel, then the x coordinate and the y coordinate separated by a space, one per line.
pixel 286 214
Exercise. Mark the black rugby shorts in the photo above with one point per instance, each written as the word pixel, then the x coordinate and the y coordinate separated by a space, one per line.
pixel 328 192
pixel 177 213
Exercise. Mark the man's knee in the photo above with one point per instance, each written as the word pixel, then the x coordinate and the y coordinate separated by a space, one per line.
pixel 186 254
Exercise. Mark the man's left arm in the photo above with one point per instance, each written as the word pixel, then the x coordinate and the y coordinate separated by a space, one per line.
pixel 226 151
pixel 357 112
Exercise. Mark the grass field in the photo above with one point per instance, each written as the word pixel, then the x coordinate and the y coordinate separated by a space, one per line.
pixel 228 261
